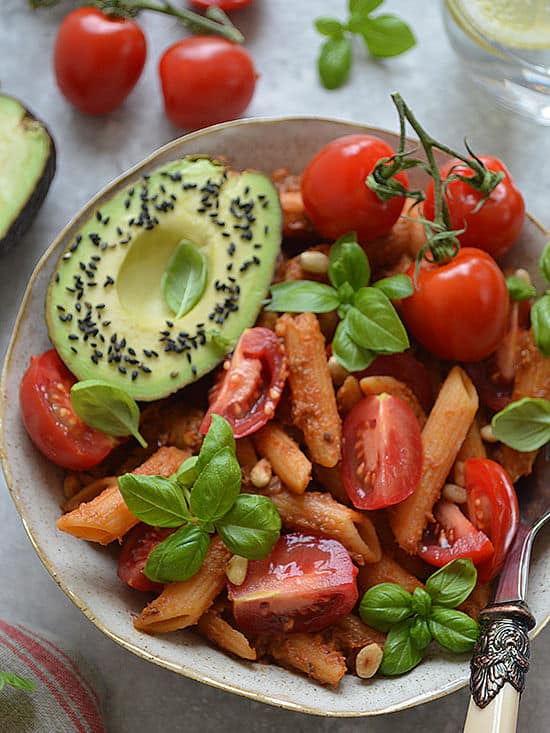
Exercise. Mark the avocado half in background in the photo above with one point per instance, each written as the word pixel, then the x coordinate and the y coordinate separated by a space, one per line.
pixel 106 313
pixel 27 155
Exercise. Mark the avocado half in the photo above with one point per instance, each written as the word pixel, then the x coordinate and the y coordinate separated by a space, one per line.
pixel 27 155
pixel 105 310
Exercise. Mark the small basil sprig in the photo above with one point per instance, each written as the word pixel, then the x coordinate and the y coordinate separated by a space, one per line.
pixel 107 408
pixel 524 424
pixel 184 279
pixel 369 323
pixel 414 619
pixel 202 497
pixel 13 680
pixel 384 35
pixel 519 289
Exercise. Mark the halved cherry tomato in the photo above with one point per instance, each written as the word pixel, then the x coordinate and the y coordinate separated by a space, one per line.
pixel 453 536
pixel 305 584
pixel 98 59
pixel 136 548
pixel 252 385
pixel 459 310
pixel 494 226
pixel 227 5
pixel 335 194
pixel 51 422
pixel 493 509
pixel 206 80
pixel 406 369
pixel 381 452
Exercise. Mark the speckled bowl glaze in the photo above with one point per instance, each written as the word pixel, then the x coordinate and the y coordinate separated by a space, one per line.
pixel 87 573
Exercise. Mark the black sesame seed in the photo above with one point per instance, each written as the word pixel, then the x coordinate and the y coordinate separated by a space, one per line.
pixel 60 308
pixel 56 277
pixel 106 220
pixel 94 358
pixel 98 215
pixel 122 369
pixel 134 375
pixel 145 368
pixel 73 337
pixel 74 350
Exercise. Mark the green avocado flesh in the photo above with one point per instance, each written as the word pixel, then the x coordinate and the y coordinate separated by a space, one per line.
pixel 105 309
pixel 27 166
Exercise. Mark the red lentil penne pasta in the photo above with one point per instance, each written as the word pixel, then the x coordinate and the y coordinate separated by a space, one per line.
pixel 287 460
pixel 472 447
pixel 308 653
pixel 220 632
pixel 386 570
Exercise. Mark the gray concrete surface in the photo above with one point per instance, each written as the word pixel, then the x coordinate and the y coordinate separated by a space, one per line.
pixel 91 151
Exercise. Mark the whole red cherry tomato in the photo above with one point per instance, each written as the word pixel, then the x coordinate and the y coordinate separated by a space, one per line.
pixel 459 310
pixel 205 80
pixel 98 59
pixel 252 385
pixel 493 508
pixel 336 197
pixel 223 4
pixel 51 422
pixel 136 548
pixel 381 452
pixel 453 536
pixel 304 584
pixel 495 226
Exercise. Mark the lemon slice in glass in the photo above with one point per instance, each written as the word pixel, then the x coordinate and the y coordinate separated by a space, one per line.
pixel 514 23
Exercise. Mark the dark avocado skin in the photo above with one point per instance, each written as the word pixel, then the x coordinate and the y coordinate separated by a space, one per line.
pixel 31 204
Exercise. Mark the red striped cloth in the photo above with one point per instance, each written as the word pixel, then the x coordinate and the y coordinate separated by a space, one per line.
pixel 63 701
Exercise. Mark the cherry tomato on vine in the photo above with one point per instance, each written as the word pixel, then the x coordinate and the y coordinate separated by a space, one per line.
pixel 336 197
pixel 205 80
pixel 50 420
pixel 453 536
pixel 493 509
pixel 98 59
pixel 459 310
pixel 494 226
pixel 381 452
pixel 253 384
pixel 223 4
pixel 304 584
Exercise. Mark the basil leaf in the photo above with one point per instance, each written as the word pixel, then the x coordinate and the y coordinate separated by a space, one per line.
pixel 452 584
pixel 540 321
pixel 523 425
pixel 155 500
pixel 329 26
pixel 348 263
pixel 303 296
pixel 400 653
pixel 387 35
pixel 351 356
pixel 217 486
pixel 384 605
pixel 179 556
pixel 395 287
pixel 334 62
pixel 364 7
pixel 421 602
pixel 518 289
pixel 106 408
pixel 219 435
pixel 13 680
pixel 420 633
pixel 544 263
pixel 184 279
pixel 187 472
pixel 454 630
pixel 374 324
pixel 345 293
pixel 251 527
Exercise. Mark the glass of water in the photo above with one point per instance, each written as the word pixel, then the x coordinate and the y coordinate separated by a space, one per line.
pixel 505 47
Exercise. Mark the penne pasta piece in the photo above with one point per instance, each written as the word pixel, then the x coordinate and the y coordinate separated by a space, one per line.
pixel 217 630
pixel 322 514
pixel 308 653
pixel 472 447
pixel 89 492
pixel 182 604
pixel 447 425
pixel 386 570
pixel 247 457
pixel 287 460
pixel 379 384
pixel 107 518
pixel 313 402
pixel 351 634
pixel 349 395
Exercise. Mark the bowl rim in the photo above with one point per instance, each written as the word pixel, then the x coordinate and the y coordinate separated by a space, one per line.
pixel 182 668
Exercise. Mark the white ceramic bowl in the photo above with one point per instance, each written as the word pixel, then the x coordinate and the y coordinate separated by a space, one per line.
pixel 87 573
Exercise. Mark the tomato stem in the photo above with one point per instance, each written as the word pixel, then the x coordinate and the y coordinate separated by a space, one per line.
pixel 196 23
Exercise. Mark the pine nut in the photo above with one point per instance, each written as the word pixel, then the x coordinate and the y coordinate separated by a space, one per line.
pixel 236 569
pixel 314 262
pixel 260 475
pixel 523 275
pixel 487 434
pixel 455 493
pixel 368 660
pixel 337 371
